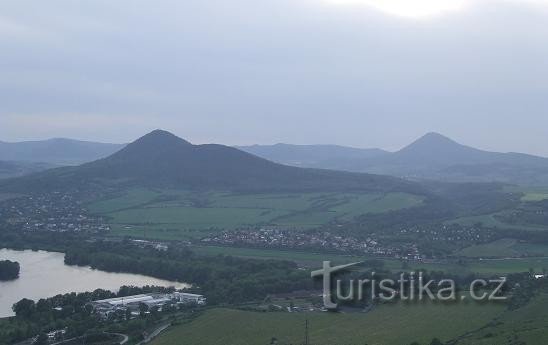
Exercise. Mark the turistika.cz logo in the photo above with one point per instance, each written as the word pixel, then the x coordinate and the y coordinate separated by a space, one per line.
pixel 409 287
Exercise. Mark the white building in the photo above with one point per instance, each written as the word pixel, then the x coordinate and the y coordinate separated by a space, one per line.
pixel 105 307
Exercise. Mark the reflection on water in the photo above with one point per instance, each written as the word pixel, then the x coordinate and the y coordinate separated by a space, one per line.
pixel 44 274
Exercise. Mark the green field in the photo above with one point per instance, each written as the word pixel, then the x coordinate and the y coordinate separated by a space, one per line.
pixel 527 325
pixel 505 248
pixel 530 194
pixel 392 324
pixel 183 214
pixel 491 221
pixel 500 248
pixel 314 260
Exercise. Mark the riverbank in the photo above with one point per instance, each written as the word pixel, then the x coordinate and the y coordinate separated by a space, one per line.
pixel 44 274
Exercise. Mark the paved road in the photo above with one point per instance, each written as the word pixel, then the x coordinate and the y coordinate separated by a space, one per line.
pixel 124 340
pixel 154 334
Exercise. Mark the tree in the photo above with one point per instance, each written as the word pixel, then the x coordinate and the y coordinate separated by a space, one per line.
pixel 143 308
pixel 436 341
pixel 42 339
pixel 24 308
pixel 42 306
pixel 9 270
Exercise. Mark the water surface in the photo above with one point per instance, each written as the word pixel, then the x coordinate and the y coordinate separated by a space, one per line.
pixel 44 274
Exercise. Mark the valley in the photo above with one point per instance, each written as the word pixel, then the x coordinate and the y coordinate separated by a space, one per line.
pixel 246 238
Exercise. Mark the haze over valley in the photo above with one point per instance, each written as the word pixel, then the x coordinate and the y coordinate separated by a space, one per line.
pixel 274 172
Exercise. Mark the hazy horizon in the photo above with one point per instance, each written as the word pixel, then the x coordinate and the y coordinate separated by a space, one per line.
pixel 266 144
pixel 359 73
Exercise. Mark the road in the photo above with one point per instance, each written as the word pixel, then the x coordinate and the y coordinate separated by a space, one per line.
pixel 154 334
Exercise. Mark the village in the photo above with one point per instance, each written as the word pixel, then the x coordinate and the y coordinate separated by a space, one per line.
pixel 55 212
pixel 325 240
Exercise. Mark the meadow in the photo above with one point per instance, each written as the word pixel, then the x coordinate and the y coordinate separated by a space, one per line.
pixel 505 248
pixel 526 325
pixel 491 221
pixel 529 194
pixel 171 215
pixel 389 324
pixel 312 260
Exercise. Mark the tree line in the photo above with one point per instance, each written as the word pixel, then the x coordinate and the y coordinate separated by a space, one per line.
pixel 222 279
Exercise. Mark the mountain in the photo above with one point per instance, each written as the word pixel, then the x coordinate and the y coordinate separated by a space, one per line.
pixel 313 156
pixel 160 159
pixel 56 151
pixel 432 156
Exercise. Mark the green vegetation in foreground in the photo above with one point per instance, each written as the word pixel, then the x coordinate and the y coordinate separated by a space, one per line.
pixel 527 325
pixel 172 215
pixel 395 324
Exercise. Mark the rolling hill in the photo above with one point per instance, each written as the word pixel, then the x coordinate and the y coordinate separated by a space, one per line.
pixel 314 156
pixel 14 169
pixel 160 159
pixel 56 151
pixel 433 156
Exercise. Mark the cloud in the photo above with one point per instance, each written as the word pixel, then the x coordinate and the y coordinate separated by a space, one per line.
pixel 406 8
pixel 300 71
pixel 418 9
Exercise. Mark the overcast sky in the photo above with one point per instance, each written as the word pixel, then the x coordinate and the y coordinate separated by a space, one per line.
pixel 364 73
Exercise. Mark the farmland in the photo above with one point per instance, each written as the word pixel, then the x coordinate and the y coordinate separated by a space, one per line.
pixel 505 248
pixel 492 221
pixel 530 194
pixel 527 325
pixel 184 214
pixel 390 324
pixel 313 260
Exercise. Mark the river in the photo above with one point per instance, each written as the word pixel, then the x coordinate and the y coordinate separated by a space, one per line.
pixel 44 274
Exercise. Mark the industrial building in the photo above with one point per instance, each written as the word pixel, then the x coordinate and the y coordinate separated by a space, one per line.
pixel 106 307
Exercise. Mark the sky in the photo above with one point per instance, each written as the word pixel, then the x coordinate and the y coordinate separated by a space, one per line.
pixel 363 73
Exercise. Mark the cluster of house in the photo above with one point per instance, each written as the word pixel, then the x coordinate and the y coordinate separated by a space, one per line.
pixel 280 238
pixel 454 233
pixel 134 304
pixel 56 212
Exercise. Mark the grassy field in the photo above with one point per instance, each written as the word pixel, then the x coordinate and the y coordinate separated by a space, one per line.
pixel 304 259
pixel 527 325
pixel 500 248
pixel 530 194
pixel 314 260
pixel 504 248
pixel 396 324
pixel 183 214
pixel 490 220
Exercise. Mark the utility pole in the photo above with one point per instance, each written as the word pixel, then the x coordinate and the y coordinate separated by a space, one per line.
pixel 306 337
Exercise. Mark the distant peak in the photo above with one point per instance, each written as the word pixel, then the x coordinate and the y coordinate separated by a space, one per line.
pixel 431 142
pixel 432 139
pixel 160 135
pixel 435 136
